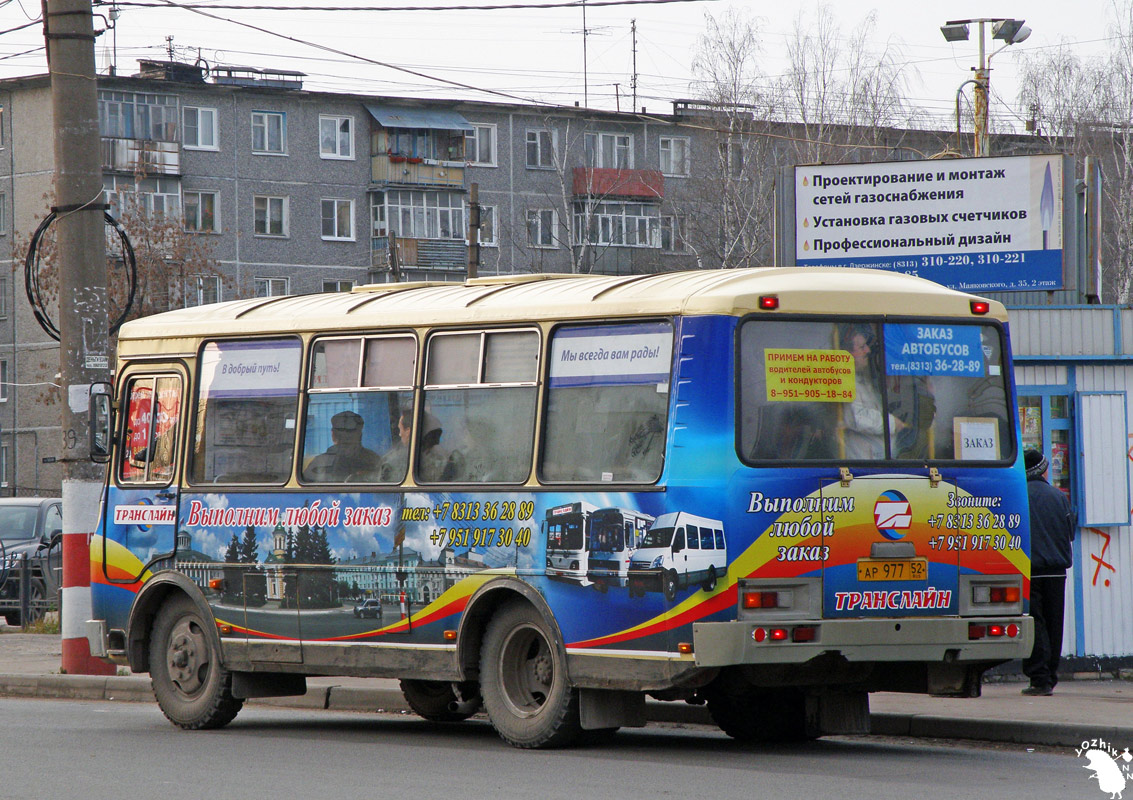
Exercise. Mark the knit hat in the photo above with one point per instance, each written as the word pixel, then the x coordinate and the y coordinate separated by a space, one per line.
pixel 1036 463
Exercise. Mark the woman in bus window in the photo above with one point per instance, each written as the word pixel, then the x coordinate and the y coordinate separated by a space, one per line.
pixel 863 418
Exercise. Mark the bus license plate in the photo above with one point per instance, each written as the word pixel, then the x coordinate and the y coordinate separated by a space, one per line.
pixel 892 569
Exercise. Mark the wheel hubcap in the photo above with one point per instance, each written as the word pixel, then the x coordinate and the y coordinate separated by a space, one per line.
pixel 188 657
pixel 527 671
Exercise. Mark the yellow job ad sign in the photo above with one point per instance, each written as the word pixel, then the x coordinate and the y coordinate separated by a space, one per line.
pixel 824 376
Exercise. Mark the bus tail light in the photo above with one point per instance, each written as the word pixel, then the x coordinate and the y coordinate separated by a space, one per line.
pixel 804 633
pixel 984 593
pixel 995 629
pixel 769 302
pixel 980 306
pixel 778 634
pixel 976 631
pixel 761 600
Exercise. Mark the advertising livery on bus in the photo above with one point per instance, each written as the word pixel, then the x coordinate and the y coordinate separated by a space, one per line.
pixel 772 490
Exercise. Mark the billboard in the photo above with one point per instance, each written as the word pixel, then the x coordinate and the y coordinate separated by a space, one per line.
pixel 976 224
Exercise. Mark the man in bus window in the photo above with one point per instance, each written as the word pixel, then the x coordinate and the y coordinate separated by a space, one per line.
pixel 436 462
pixel 346 459
pixel 863 417
pixel 395 459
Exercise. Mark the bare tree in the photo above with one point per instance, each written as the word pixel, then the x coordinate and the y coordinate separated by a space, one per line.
pixel 1086 107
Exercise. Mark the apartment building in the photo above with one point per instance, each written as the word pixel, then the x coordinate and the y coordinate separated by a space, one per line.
pixel 289 191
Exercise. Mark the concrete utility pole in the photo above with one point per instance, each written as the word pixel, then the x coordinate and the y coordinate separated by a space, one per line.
pixel 84 355
pixel 473 230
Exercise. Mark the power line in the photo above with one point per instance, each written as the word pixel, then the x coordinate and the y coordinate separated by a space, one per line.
pixel 498 7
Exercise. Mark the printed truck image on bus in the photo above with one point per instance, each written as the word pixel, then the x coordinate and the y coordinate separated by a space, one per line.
pixel 808 482
pixel 614 534
pixel 679 550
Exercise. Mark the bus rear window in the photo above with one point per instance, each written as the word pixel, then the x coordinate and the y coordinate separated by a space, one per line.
pixel 871 391
pixel 245 426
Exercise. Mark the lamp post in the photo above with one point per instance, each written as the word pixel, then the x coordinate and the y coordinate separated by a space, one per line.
pixel 1010 31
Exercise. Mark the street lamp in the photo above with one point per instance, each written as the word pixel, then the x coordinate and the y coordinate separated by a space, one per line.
pixel 1010 31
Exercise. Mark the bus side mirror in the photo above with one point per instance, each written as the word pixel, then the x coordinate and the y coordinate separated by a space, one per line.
pixel 101 422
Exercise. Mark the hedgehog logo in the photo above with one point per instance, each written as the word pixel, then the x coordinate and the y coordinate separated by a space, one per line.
pixel 1110 769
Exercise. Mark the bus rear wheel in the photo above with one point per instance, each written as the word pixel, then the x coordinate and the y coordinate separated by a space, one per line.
pixel 192 688
pixel 524 682
pixel 437 701
pixel 709 582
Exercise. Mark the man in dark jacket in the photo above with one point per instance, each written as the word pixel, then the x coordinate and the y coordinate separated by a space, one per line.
pixel 1052 530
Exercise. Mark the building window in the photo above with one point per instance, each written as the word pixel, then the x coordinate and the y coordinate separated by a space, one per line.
pixel 674 156
pixel 419 215
pixel 610 150
pixel 619 224
pixel 134 115
pixel 732 158
pixel 201 212
pixel 541 148
pixel 272 287
pixel 201 290
pixel 3 380
pixel 338 219
pixel 480 145
pixel 3 213
pixel 673 234
pixel 145 196
pixel 271 216
pixel 2 116
pixel 541 227
pixel 336 137
pixel 488 226
pixel 199 128
pixel 4 465
pixel 269 132
pixel 3 296
pixel 338 286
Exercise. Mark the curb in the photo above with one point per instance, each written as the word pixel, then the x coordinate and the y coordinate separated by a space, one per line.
pixel 331 697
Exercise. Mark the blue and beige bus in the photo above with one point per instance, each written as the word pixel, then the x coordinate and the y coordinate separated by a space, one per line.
pixel 852 432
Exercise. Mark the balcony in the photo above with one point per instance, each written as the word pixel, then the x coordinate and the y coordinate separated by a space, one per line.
pixel 141 157
pixel 386 169
pixel 443 254
pixel 637 184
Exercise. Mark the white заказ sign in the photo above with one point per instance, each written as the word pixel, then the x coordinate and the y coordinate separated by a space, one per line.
pixel 976 224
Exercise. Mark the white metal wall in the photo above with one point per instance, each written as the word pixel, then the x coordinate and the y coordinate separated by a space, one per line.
pixel 1105 554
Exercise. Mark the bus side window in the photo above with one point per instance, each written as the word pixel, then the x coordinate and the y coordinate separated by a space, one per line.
pixel 693 538
pixel 606 420
pixel 706 539
pixel 153 411
pixel 719 536
pixel 480 397
pixel 249 395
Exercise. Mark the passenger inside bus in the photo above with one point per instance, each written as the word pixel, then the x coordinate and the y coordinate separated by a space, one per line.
pixel 346 459
pixel 395 460
pixel 435 462
pixel 864 419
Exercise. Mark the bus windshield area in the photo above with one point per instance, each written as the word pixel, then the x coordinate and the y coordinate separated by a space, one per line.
pixel 657 537
pixel 607 536
pixel 564 534
pixel 869 391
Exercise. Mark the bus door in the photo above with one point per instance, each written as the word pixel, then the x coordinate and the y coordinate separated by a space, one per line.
pixel 890 546
pixel 142 498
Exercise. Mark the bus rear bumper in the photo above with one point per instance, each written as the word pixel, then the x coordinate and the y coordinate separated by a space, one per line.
pixel 722 644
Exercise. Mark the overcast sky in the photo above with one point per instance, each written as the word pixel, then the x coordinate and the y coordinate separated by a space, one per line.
pixel 537 54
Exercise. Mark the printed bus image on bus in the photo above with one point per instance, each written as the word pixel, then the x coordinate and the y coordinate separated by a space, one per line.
pixel 614 534
pixel 568 547
pixel 678 551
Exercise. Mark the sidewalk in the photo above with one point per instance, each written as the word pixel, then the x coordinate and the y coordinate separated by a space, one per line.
pixel 1079 709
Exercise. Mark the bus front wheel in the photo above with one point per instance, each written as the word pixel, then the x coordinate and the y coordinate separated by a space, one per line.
pixel 192 688
pixel 523 680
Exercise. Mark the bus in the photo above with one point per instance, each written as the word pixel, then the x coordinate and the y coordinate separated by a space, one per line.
pixel 853 432
pixel 614 534
pixel 567 533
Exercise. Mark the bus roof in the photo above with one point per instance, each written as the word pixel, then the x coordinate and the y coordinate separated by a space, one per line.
pixel 540 297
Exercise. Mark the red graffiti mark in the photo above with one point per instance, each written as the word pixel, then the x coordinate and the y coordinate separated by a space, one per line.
pixel 1100 558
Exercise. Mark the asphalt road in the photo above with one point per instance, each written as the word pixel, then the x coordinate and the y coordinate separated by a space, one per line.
pixel 95 750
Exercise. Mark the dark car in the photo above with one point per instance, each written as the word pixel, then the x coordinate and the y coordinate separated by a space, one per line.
pixel 31 526
pixel 369 608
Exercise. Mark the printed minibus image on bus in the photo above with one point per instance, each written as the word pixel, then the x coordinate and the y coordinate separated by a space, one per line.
pixel 548 497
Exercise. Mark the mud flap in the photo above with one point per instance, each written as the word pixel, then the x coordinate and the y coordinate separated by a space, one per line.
pixel 837 712
pixel 606 708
